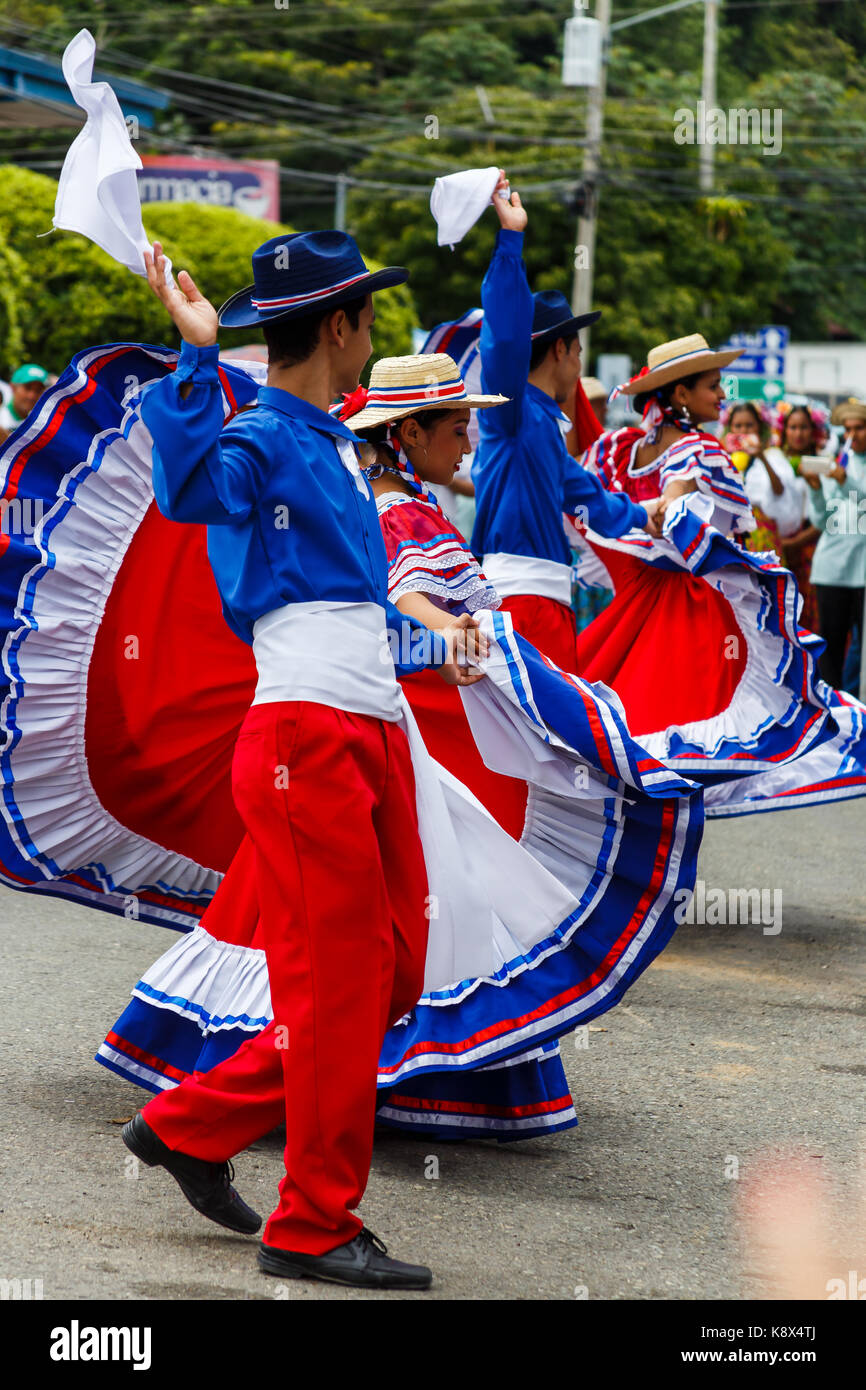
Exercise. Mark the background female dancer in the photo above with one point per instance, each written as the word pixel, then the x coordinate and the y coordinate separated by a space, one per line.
pixel 524 476
pixel 702 642
pixel 431 568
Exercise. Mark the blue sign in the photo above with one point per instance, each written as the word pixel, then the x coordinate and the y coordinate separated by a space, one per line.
pixel 762 352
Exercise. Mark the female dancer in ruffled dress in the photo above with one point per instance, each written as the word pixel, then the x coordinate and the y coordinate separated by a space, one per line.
pixel 702 642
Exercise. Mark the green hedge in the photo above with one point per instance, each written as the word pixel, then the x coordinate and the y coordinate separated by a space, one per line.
pixel 60 293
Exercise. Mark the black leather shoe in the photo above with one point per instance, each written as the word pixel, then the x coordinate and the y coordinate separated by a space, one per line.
pixel 208 1186
pixel 363 1262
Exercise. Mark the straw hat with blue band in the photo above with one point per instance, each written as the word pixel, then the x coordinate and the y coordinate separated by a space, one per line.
pixel 401 386
pixel 674 360
pixel 303 273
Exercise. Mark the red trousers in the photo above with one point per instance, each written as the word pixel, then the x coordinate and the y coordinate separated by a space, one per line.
pixel 549 625
pixel 328 799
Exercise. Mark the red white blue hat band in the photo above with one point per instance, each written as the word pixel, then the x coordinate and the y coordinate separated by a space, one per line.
pixel 302 272
pixel 289 301
pixel 400 386
pixel 671 361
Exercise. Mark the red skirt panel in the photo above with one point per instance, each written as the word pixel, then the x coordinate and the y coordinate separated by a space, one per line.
pixel 668 644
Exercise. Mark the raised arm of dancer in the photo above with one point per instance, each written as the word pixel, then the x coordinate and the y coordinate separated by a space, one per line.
pixel 506 332
pixel 199 472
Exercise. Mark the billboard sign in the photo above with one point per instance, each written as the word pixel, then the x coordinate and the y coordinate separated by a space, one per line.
pixel 251 186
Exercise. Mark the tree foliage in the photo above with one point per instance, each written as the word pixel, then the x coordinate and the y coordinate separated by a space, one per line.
pixel 328 87
pixel 60 293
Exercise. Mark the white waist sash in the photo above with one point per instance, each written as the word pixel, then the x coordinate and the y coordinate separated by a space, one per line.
pixel 487 897
pixel 511 575
pixel 333 654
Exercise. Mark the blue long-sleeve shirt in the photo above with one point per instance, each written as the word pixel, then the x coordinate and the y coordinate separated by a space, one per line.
pixel 524 476
pixel 287 521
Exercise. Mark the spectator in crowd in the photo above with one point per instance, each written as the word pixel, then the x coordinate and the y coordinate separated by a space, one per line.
pixel 5 397
pixel 746 436
pixel 839 566
pixel 801 431
pixel 28 383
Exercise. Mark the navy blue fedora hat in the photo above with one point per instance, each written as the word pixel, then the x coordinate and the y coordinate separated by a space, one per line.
pixel 552 316
pixel 302 272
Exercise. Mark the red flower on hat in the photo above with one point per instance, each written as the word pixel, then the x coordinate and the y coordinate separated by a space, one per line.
pixel 353 402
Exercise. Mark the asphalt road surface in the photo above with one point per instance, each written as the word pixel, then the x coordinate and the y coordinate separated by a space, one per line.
pixel 739 1046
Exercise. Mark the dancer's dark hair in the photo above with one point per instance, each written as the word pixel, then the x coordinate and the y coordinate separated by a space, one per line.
pixel 291 341
pixel 378 434
pixel 664 394
pixel 543 346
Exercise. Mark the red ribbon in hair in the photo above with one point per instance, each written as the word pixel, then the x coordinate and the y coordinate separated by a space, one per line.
pixel 617 390
pixel 353 402
pixel 651 400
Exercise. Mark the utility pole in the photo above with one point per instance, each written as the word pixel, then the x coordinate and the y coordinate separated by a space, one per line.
pixel 489 118
pixel 340 204
pixel 708 91
pixel 584 251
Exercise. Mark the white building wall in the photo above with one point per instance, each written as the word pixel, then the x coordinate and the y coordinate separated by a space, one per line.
pixel 833 370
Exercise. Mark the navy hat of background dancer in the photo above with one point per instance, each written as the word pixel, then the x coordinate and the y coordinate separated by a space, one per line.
pixel 301 273
pixel 552 317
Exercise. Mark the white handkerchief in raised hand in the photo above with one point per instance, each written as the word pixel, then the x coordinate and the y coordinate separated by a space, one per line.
pixel 97 194
pixel 458 200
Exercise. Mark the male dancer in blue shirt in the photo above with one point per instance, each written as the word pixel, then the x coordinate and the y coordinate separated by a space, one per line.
pixel 322 775
pixel 525 478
